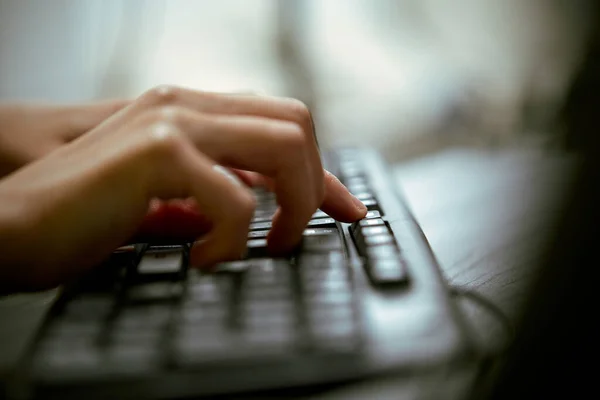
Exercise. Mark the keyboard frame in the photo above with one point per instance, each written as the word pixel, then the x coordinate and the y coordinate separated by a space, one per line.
pixel 406 330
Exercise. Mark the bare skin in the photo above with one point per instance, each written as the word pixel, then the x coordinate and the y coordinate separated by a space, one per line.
pixel 68 208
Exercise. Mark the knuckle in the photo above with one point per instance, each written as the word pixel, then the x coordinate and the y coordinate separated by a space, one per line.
pixel 294 147
pixel 163 138
pixel 294 140
pixel 162 95
pixel 170 113
pixel 301 113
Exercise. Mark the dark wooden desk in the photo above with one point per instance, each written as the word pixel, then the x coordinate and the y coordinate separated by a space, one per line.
pixel 486 215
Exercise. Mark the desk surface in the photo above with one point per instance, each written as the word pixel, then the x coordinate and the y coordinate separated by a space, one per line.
pixel 486 215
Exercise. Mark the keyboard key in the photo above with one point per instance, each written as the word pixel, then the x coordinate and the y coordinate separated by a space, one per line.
pixel 388 271
pixel 373 214
pixel 257 234
pixel 153 292
pixel 161 260
pixel 313 286
pixel 371 204
pixel 267 307
pixel 234 267
pixel 328 298
pixel 355 181
pixel 203 315
pixel 75 359
pixel 209 290
pixel 257 226
pixel 384 251
pixel 257 248
pixel 323 274
pixel 320 231
pixel 349 171
pixel 280 339
pixel 321 240
pixel 201 345
pixel 85 308
pixel 364 195
pixel 375 230
pixel 262 217
pixel 132 358
pixel 371 222
pixel 142 318
pixel 322 222
pixel 62 329
pixel 321 261
pixel 376 240
pixel 263 272
pixel 262 293
pixel 340 336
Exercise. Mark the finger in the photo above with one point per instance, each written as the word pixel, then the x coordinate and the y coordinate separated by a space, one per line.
pixel 250 178
pixel 284 109
pixel 228 205
pixel 339 203
pixel 274 148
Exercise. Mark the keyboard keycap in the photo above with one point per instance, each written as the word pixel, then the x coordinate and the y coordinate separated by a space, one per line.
pixel 364 195
pixel 266 272
pixel 384 251
pixel 154 292
pixel 373 214
pixel 371 222
pixel 371 204
pixel 161 260
pixel 257 234
pixel 376 240
pixel 256 226
pixel 375 230
pixel 142 318
pixel 358 188
pixel 390 271
pixel 321 240
pixel 209 290
pixel 257 248
pixel 322 222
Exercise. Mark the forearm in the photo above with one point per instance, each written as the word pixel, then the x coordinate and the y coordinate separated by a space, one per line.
pixel 31 131
pixel 12 236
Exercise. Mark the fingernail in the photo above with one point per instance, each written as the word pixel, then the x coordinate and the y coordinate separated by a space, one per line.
pixel 359 205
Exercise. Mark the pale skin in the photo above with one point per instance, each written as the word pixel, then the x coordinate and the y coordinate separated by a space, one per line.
pixel 80 181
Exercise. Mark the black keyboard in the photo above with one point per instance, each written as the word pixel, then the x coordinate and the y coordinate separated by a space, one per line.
pixel 355 300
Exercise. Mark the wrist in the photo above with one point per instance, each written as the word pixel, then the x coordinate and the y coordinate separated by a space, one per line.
pixel 15 232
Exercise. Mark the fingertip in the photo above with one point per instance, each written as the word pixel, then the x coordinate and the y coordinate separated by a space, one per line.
pixel 286 234
pixel 339 203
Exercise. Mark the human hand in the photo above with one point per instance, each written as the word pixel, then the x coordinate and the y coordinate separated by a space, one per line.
pixel 67 211
pixel 31 131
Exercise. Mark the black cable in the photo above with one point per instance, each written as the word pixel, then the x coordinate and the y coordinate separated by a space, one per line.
pixel 487 359
pixel 484 302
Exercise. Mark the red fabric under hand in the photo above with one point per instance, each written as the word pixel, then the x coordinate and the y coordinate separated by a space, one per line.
pixel 172 221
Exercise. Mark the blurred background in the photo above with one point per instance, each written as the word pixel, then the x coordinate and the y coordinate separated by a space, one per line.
pixel 436 85
pixel 407 76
